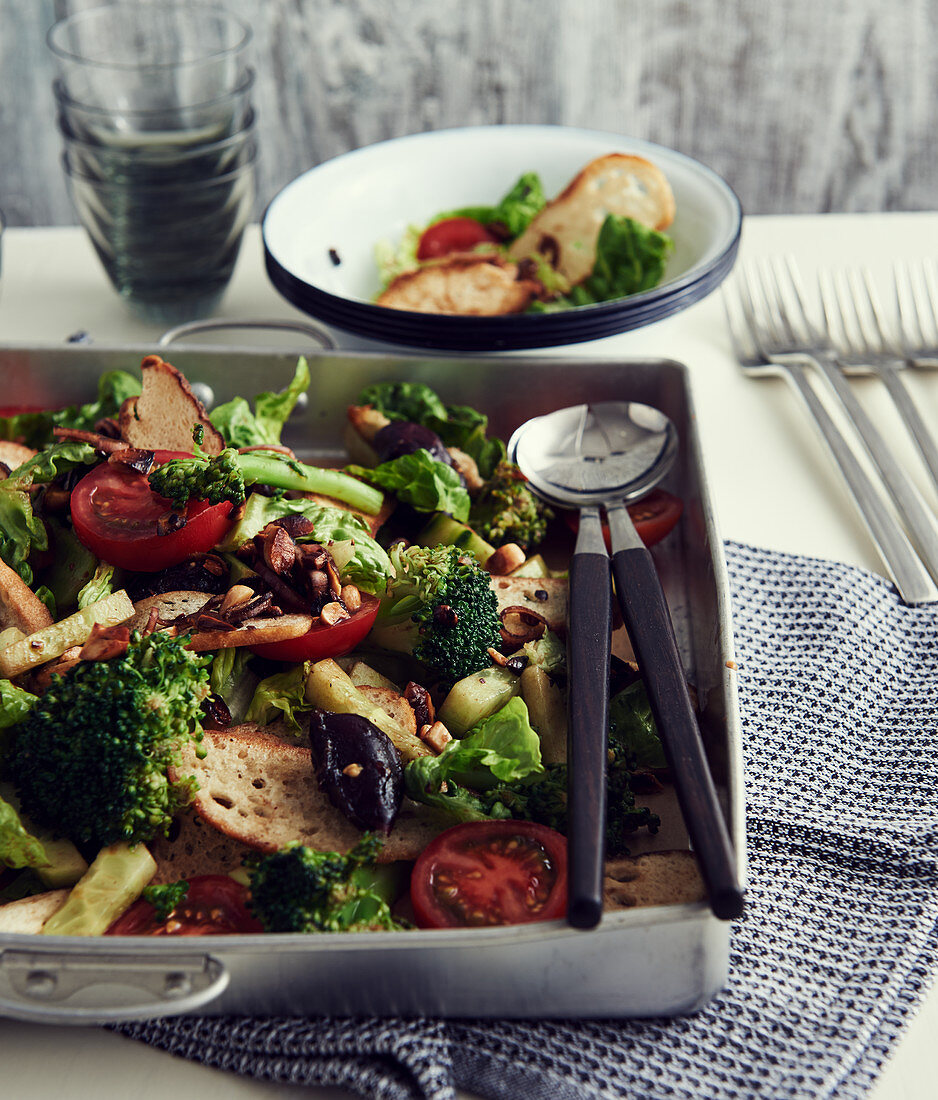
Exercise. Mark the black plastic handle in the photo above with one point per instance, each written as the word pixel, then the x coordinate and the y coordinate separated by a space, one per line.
pixel 648 622
pixel 588 650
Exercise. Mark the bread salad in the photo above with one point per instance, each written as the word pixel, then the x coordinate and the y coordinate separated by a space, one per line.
pixel 240 693
pixel 601 238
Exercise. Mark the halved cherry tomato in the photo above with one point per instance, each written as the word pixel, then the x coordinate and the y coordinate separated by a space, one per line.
pixel 324 641
pixel 490 873
pixel 115 513
pixel 654 516
pixel 452 235
pixel 215 905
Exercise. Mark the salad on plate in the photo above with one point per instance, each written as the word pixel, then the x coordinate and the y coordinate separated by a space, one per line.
pixel 600 239
pixel 241 693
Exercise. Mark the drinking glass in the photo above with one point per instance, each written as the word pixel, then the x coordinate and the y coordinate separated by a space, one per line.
pixel 159 139
pixel 145 57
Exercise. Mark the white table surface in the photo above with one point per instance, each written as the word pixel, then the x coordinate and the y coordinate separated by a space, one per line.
pixel 771 480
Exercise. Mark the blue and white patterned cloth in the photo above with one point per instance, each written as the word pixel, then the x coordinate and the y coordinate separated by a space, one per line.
pixel 838 686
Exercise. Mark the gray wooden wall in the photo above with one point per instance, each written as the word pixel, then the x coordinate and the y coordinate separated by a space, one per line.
pixel 802 105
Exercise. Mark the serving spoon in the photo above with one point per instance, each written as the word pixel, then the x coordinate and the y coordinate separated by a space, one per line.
pixel 590 457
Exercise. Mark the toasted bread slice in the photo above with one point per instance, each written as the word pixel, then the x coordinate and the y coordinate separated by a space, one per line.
pixel 253 632
pixel 194 847
pixel 654 878
pixel 13 455
pixel 566 230
pixel 263 792
pixel 170 606
pixel 547 596
pixel 19 605
pixel 163 416
pixel 469 284
pixel 28 915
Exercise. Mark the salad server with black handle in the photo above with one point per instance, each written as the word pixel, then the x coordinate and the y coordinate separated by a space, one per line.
pixel 603 456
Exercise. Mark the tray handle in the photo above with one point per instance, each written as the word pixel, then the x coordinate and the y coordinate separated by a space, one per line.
pixel 58 987
pixel 315 332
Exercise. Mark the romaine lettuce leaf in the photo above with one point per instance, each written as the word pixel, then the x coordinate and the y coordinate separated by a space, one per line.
pixel 632 728
pixel 421 481
pixel 411 401
pixel 630 258
pixel 282 695
pixel 20 531
pixel 501 750
pixel 243 428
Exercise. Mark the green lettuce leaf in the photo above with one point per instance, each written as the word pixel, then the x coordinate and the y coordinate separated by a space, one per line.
pixel 630 258
pixel 457 425
pixel 412 401
pixel 282 695
pixel 232 680
pixel 421 481
pixel 243 428
pixel 20 531
pixel 632 728
pixel 357 555
pixel 99 586
pixel 15 704
pixel 501 750
pixel 35 429
pixel 18 847
pixel 514 213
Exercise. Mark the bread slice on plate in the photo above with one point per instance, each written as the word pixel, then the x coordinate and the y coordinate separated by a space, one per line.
pixel 468 284
pixel 261 791
pixel 566 230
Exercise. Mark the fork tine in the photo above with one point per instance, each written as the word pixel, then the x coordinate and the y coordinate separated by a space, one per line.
pixel 774 314
pixel 832 295
pixel 916 290
pixel 885 343
pixel 798 294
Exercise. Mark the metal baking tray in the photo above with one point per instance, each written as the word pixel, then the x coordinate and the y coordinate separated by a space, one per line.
pixel 663 960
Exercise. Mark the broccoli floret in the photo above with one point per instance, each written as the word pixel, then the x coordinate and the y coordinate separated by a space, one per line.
pixel 224 476
pixel 214 479
pixel 299 889
pixel 90 759
pixel 441 608
pixel 166 897
pixel 506 510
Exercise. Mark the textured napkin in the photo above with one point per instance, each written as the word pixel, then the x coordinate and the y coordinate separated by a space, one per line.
pixel 838 687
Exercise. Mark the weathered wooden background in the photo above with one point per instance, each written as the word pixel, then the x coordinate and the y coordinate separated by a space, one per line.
pixel 802 105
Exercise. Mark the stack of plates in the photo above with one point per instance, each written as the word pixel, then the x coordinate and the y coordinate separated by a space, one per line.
pixel 321 231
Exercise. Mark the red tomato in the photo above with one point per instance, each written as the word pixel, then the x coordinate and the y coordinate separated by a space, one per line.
pixel 654 516
pixel 324 641
pixel 490 872
pixel 115 513
pixel 215 905
pixel 452 235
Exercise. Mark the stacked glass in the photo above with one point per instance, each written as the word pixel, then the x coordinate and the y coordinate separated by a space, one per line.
pixel 154 107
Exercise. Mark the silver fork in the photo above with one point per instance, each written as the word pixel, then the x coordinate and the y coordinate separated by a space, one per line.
pixel 747 306
pixel 917 311
pixel 793 332
pixel 863 337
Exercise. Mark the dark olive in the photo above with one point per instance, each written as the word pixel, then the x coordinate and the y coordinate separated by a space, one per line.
pixel 401 437
pixel 358 767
